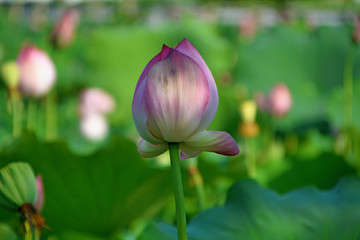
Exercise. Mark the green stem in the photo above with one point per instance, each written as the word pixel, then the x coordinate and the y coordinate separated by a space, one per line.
pixel 51 116
pixel 178 190
pixel 348 85
pixel 16 112
pixel 31 115
pixel 251 157
pixel 199 185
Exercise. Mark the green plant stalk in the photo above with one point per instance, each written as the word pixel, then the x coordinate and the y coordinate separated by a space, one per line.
pixel 31 115
pixel 251 157
pixel 348 85
pixel 199 185
pixel 28 232
pixel 16 112
pixel 51 116
pixel 178 190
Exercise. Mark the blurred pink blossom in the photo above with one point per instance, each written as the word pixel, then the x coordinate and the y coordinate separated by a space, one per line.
pixel 94 127
pixel 96 101
pixel 39 203
pixel 37 71
pixel 280 100
pixel 64 31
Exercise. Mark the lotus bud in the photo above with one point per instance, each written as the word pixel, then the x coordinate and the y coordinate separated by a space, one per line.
pixel 248 111
pixel 64 31
pixel 39 203
pixel 94 127
pixel 248 26
pixel 175 100
pixel 356 32
pixel 96 101
pixel 280 100
pixel 10 74
pixel 249 130
pixel 37 71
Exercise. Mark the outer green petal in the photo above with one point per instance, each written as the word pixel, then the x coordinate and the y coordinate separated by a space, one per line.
pixel 149 150
pixel 17 186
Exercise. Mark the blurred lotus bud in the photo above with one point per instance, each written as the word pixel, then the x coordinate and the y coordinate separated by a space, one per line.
pixel 39 203
pixel 356 33
pixel 10 74
pixel 249 130
pixel 64 31
pixel 94 127
pixel 248 111
pixel 17 186
pixel 96 101
pixel 37 71
pixel 280 100
pixel 248 26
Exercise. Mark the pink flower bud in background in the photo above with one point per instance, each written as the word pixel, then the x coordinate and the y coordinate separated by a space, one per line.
pixel 248 25
pixel 175 100
pixel 95 100
pixel 94 127
pixel 64 31
pixel 37 71
pixel 356 32
pixel 280 100
pixel 39 203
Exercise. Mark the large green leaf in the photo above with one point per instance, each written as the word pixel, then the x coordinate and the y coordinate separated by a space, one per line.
pixel 255 213
pixel 99 194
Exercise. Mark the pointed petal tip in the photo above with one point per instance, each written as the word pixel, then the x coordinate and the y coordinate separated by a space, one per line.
pixel 214 141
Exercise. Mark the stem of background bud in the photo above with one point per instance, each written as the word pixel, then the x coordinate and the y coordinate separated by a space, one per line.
pixel 28 232
pixel 51 116
pixel 348 84
pixel 31 115
pixel 16 105
pixel 178 190
pixel 251 157
pixel 199 185
pixel 348 93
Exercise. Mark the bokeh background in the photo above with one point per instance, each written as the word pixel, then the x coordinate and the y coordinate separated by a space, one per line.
pixel 102 189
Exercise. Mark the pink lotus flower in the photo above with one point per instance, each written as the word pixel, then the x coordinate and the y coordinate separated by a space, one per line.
pixel 94 127
pixel 280 100
pixel 37 71
pixel 175 100
pixel 39 203
pixel 95 100
pixel 64 31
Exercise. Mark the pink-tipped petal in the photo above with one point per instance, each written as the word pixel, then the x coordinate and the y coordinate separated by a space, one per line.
pixel 165 51
pixel 141 111
pixel 149 150
pixel 189 50
pixel 213 141
pixel 177 93
pixel 39 203
pixel 188 152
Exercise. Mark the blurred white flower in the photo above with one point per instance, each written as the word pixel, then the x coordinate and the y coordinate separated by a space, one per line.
pixel 94 127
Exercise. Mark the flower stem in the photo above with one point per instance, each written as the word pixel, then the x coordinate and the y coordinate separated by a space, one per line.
pixel 16 112
pixel 31 115
pixel 178 190
pixel 348 85
pixel 51 116
pixel 251 157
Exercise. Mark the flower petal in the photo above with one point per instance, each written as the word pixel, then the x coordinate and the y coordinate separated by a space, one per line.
pixel 177 93
pixel 141 111
pixel 189 50
pixel 165 51
pixel 188 152
pixel 213 141
pixel 149 150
